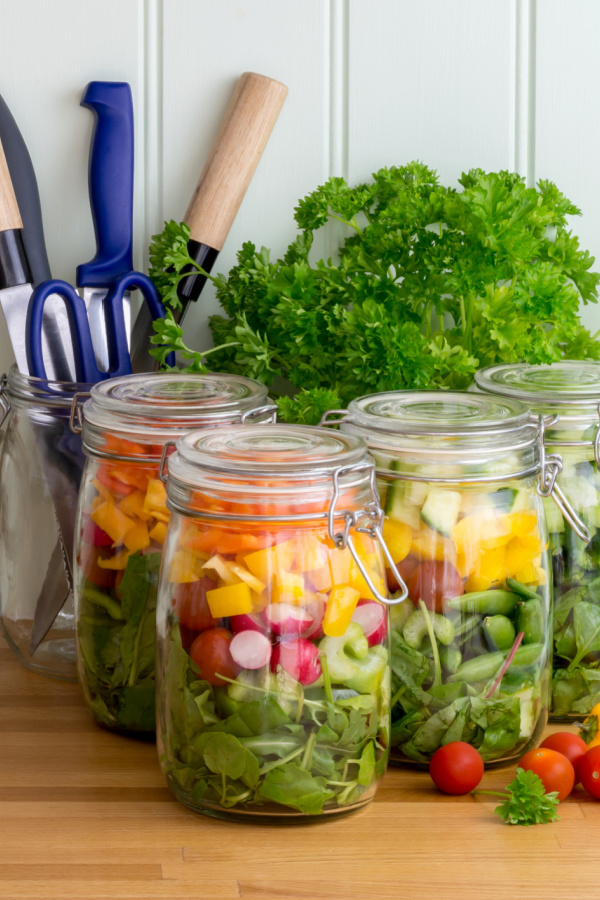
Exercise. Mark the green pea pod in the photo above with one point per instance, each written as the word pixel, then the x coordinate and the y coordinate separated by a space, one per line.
pixel 527 654
pixel 521 589
pixel 483 667
pixel 97 598
pixel 450 658
pixel 499 632
pixel 486 603
pixel 530 620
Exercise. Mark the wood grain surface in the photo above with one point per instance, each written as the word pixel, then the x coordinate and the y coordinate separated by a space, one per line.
pixel 86 815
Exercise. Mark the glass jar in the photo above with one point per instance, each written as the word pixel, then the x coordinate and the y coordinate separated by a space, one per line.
pixel 121 526
pixel 567 393
pixel 41 463
pixel 272 663
pixel 470 647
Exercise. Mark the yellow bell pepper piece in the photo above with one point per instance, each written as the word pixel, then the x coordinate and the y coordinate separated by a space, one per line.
pixel 398 537
pixel 220 567
pixel 111 520
pixel 288 588
pixel 264 564
pixel 491 564
pixel 102 489
pixel 118 561
pixel 531 574
pixel 310 553
pixel 242 573
pixel 185 567
pixel 340 608
pixel 156 497
pixel 137 538
pixel 357 581
pixel 158 533
pixel 430 544
pixel 133 505
pixel 522 523
pixel 336 570
pixel 483 531
pixel 517 556
pixel 476 583
pixel 231 600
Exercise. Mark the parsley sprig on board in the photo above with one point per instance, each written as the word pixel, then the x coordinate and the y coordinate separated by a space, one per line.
pixel 526 801
pixel 430 284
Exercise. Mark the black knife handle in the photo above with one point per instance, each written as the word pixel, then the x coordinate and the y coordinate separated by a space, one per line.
pixel 190 288
pixel 14 268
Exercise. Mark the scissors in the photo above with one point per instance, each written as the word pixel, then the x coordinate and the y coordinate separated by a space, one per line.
pixel 86 367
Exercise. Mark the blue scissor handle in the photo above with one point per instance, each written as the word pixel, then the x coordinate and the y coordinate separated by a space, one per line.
pixel 119 362
pixel 83 350
pixel 110 182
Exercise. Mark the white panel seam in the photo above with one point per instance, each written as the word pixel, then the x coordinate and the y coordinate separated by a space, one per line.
pixel 339 69
pixel 153 124
pixel 523 87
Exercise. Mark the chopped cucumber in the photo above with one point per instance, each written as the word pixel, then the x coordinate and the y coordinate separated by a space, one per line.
pixel 440 510
pixel 554 517
pixel 580 492
pixel 404 498
pixel 522 501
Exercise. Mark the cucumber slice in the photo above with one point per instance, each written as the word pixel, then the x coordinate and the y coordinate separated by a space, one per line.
pixel 580 492
pixel 404 499
pixel 554 517
pixel 440 510
pixel 522 501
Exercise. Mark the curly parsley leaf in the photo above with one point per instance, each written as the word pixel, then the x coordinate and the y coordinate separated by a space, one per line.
pixel 527 802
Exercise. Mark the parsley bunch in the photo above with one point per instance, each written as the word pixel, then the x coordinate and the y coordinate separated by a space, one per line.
pixel 430 284
pixel 526 801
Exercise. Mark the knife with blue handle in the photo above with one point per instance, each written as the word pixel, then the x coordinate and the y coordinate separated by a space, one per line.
pixel 111 198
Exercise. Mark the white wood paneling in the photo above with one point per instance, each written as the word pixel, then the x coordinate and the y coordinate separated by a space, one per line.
pixel 567 114
pixel 285 41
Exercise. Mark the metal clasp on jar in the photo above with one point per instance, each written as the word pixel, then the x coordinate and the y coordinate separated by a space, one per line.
pixel 250 414
pixel 551 467
pixel 325 420
pixel 76 418
pixel 352 519
pixel 4 401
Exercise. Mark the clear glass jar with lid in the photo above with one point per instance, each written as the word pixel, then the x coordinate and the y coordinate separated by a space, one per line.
pixel 41 463
pixel 458 474
pixel 567 394
pixel 273 675
pixel 122 521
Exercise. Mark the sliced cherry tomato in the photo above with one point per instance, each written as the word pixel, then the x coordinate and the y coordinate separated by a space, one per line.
pixel 555 770
pixel 588 770
pixel 94 535
pixel 434 581
pixel 88 562
pixel 210 652
pixel 191 604
pixel 569 744
pixel 456 768
pixel 406 567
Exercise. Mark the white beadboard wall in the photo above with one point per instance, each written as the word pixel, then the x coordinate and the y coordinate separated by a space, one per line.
pixel 457 83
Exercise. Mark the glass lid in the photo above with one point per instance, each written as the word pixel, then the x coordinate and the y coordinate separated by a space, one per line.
pixel 570 382
pixel 275 451
pixel 443 413
pixel 176 397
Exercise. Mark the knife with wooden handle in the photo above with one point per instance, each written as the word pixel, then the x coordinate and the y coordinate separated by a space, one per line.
pixel 235 154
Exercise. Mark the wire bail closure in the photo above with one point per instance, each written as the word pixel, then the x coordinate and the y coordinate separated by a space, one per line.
pixel 163 469
pixel 4 401
pixel 551 467
pixel 325 420
pixel 271 409
pixel 352 519
pixel 76 418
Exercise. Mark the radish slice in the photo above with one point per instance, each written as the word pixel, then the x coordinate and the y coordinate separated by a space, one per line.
pixel 246 622
pixel 284 619
pixel 316 609
pixel 372 618
pixel 250 649
pixel 300 659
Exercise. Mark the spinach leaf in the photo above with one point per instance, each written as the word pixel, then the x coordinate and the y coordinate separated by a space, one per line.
pixel 366 766
pixel 409 665
pixel 292 786
pixel 586 620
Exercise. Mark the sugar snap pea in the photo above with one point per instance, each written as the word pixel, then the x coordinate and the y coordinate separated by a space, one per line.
pixel 530 620
pixel 521 589
pixel 450 658
pixel 91 595
pixel 485 666
pixel 486 603
pixel 499 632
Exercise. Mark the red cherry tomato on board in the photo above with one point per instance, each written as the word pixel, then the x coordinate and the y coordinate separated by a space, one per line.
pixel 588 772
pixel 569 744
pixel 456 768
pixel 555 770
pixel 210 652
pixel 433 582
pixel 191 605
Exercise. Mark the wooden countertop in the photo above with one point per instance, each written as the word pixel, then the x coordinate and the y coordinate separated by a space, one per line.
pixel 85 815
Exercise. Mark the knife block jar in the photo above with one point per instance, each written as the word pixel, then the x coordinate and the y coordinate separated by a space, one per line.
pixel 41 463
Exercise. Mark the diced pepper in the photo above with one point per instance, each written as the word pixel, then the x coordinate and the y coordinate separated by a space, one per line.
pixel 288 587
pixel 159 533
pixel 430 544
pixel 102 489
pixel 115 485
pixel 531 574
pixel 340 608
pixel 476 583
pixel 135 476
pixel 398 537
pixel 310 553
pixel 156 496
pixel 490 564
pixel 234 542
pixel 231 600
pixel 522 523
pixel 358 582
pixel 111 520
pixel 185 567
pixel 221 567
pixel 265 564
pixel 137 538
pixel 244 575
pixel 122 446
pixel 118 561
pixel 133 505
pixel 484 531
pixel 517 556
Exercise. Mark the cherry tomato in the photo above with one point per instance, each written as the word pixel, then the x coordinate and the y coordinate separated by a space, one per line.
pixel 570 745
pixel 555 770
pixel 434 581
pixel 588 772
pixel 456 768
pixel 406 567
pixel 210 652
pixel 93 534
pixel 88 561
pixel 191 604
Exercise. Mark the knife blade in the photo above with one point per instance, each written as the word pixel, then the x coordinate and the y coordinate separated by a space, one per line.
pixel 111 198
pixel 242 137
